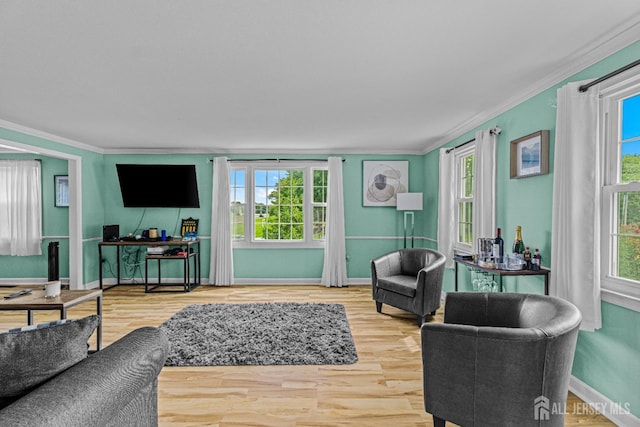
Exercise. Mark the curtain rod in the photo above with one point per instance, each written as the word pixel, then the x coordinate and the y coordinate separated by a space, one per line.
pixel 460 145
pixel 493 131
pixel 277 160
pixel 586 87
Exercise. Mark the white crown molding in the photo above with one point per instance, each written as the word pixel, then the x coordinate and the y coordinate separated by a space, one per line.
pixel 589 55
pixel 271 152
pixel 48 136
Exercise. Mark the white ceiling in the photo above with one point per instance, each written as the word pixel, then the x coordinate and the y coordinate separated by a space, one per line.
pixel 289 76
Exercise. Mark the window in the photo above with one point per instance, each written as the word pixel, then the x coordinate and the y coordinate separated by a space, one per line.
pixel 464 161
pixel 288 204
pixel 621 190
pixel 20 207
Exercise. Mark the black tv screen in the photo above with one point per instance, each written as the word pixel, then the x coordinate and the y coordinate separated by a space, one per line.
pixel 158 186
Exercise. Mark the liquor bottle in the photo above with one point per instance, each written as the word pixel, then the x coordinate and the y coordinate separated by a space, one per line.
pixel 527 258
pixel 518 245
pixel 536 260
pixel 498 247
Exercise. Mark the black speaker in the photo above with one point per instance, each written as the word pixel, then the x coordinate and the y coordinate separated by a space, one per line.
pixel 110 233
pixel 54 261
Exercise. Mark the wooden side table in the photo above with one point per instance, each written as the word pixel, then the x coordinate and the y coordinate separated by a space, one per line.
pixel 36 301
pixel 187 284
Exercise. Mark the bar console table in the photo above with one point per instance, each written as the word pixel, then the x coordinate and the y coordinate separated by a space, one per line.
pixel 192 248
pixel 542 272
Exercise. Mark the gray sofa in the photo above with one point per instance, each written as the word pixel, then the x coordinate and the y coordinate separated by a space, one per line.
pixel 409 279
pixel 116 386
pixel 499 359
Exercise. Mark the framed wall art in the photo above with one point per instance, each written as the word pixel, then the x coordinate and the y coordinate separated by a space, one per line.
pixel 61 187
pixel 530 155
pixel 382 180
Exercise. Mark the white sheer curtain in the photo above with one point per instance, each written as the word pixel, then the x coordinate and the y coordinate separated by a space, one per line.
pixel 484 185
pixel 221 266
pixel 575 232
pixel 334 270
pixel 446 205
pixel 20 208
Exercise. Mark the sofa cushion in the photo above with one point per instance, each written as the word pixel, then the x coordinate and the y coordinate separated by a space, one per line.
pixel 29 358
pixel 403 285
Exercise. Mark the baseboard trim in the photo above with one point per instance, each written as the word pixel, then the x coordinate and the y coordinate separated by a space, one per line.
pixel 617 412
pixel 298 281
pixel 365 281
pixel 26 281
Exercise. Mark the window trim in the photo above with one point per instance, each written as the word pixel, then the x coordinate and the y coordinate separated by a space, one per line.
pixel 615 290
pixel 459 154
pixel 249 240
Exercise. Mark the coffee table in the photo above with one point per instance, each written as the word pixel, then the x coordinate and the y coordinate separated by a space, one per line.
pixel 67 299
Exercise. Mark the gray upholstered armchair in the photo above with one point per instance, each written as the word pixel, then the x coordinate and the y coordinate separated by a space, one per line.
pixel 409 279
pixel 499 359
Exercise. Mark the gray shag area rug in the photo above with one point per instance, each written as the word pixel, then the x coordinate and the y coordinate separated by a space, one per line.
pixel 260 334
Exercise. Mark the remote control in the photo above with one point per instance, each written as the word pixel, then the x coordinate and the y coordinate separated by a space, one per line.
pixel 18 294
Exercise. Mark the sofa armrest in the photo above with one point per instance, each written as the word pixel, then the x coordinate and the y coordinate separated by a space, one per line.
pixel 429 285
pixel 95 390
pixel 383 266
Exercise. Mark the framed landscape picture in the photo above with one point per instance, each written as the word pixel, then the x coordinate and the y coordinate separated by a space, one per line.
pixel 61 187
pixel 382 180
pixel 530 155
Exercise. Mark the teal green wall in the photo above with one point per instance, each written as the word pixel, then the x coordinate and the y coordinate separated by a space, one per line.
pixel 371 231
pixel 607 360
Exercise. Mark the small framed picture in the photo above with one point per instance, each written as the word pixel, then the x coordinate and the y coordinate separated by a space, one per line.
pixel 61 186
pixel 530 155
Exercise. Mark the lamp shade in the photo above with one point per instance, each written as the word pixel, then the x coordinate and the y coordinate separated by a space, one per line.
pixel 409 201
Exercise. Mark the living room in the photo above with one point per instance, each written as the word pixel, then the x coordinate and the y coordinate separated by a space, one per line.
pixel 605 368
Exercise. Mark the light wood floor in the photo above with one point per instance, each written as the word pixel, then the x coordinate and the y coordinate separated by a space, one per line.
pixel 384 388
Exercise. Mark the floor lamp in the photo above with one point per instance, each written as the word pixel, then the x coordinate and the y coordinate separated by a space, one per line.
pixel 409 202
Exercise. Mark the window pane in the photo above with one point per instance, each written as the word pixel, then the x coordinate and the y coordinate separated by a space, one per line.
pixel 630 162
pixel 465 210
pixel 631 118
pixel 237 202
pixel 279 201
pixel 319 222
pixel 628 237
pixel 320 186
pixel 467 176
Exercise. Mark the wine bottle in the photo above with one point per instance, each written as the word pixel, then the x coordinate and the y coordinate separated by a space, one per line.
pixel 518 244
pixel 527 258
pixel 536 260
pixel 498 247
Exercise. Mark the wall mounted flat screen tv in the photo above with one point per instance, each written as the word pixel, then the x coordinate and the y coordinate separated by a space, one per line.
pixel 158 186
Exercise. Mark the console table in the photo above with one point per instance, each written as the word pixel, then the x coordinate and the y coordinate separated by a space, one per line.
pixel 542 272
pixel 193 248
